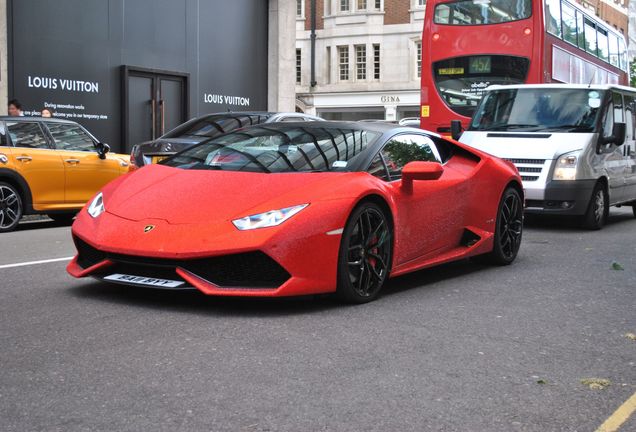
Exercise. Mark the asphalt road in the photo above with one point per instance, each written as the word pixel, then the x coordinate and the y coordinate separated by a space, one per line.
pixel 458 348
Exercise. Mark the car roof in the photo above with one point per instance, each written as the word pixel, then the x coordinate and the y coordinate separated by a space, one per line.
pixel 44 119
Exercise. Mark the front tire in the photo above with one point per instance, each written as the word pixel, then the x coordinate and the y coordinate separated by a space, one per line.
pixel 508 231
pixel 366 251
pixel 598 209
pixel 10 207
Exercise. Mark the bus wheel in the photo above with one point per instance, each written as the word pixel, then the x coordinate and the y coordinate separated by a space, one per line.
pixel 598 208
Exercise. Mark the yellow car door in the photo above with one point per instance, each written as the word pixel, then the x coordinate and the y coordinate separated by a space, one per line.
pixel 39 165
pixel 86 171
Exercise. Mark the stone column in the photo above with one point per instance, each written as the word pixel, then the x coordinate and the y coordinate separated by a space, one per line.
pixel 281 92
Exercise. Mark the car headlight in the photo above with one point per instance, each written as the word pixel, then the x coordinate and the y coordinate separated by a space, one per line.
pixel 96 206
pixel 565 168
pixel 267 219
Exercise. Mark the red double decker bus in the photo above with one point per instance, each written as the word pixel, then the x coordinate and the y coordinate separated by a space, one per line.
pixel 468 45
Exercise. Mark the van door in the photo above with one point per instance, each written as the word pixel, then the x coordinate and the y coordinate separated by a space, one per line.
pixel 630 146
pixel 37 163
pixel 614 161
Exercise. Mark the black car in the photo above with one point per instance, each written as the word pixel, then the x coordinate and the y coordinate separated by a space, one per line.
pixel 201 128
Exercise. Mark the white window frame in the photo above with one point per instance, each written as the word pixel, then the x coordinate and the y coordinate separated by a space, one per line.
pixel 302 6
pixel 340 48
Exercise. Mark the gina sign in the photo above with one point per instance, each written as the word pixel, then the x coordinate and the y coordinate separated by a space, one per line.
pixel 62 84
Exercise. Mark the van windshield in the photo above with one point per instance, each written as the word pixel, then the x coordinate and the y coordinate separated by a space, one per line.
pixel 539 109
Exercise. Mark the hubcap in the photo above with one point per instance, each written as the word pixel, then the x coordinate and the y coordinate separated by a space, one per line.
pixel 599 210
pixel 9 207
pixel 369 253
pixel 511 226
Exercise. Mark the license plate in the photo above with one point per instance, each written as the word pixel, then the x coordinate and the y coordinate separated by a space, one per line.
pixel 157 159
pixel 141 280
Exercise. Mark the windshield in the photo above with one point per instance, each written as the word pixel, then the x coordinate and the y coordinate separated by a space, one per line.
pixel 214 125
pixel 539 109
pixel 277 150
pixel 478 12
pixel 461 81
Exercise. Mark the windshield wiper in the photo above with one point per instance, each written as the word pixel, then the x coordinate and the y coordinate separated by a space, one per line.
pixel 570 128
pixel 512 126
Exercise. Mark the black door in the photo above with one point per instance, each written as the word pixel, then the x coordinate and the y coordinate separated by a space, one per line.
pixel 154 102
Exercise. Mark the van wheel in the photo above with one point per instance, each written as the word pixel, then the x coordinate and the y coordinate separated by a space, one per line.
pixel 10 207
pixel 598 209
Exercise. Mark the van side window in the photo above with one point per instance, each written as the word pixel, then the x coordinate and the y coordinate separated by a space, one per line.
pixel 27 134
pixel 617 98
pixel 630 116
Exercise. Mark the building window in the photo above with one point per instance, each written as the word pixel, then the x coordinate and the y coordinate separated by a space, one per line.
pixel 298 66
pixel 376 61
pixel 420 3
pixel 299 8
pixel 344 5
pixel 362 4
pixel 377 5
pixel 343 63
pixel 418 58
pixel 361 62
pixel 328 64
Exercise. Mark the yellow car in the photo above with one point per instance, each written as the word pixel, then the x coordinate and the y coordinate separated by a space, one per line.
pixel 50 166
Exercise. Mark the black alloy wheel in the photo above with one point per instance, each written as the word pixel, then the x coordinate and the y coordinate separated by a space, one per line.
pixel 366 250
pixel 10 207
pixel 509 230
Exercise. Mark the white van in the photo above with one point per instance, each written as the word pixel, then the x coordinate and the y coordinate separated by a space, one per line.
pixel 574 145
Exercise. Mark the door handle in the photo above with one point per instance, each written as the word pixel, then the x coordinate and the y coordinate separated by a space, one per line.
pixel 24 158
pixel 153 103
pixel 163 116
pixel 72 161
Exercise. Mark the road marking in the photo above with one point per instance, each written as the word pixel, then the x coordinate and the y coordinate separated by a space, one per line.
pixel 23 264
pixel 620 416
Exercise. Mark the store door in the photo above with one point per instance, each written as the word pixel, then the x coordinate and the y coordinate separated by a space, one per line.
pixel 154 102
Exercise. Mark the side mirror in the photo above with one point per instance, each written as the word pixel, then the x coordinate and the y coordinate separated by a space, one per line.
pixel 416 171
pixel 456 129
pixel 102 150
pixel 619 132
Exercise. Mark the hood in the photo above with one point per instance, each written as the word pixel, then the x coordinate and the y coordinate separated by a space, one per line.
pixel 168 145
pixel 534 145
pixel 195 196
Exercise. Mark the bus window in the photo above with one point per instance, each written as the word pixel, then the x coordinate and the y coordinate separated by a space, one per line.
pixel 603 44
pixel 553 17
pixel 569 23
pixel 461 81
pixel 590 36
pixel 478 12
pixel 613 49
pixel 622 55
pixel 580 29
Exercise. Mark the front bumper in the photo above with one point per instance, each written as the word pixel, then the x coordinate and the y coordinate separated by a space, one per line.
pixel 297 260
pixel 563 198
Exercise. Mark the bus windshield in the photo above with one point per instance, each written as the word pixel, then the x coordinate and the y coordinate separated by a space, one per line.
pixel 461 81
pixel 539 109
pixel 479 12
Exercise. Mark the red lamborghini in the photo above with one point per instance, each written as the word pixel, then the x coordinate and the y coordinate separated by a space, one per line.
pixel 301 208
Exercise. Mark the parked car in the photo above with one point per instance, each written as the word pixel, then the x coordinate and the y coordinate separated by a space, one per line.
pixel 574 145
pixel 201 128
pixel 301 208
pixel 51 166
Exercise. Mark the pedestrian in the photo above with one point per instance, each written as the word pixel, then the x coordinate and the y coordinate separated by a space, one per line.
pixel 15 108
pixel 47 112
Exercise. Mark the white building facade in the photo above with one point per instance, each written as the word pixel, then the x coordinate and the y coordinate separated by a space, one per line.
pixel 367 59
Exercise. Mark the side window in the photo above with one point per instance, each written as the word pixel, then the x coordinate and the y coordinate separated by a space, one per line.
pixel 617 98
pixel 378 169
pixel 608 120
pixel 553 16
pixel 403 149
pixel 630 116
pixel 27 134
pixel 3 135
pixel 290 119
pixel 70 137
